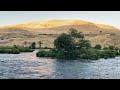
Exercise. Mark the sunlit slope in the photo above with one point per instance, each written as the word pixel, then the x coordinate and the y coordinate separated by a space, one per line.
pixel 30 31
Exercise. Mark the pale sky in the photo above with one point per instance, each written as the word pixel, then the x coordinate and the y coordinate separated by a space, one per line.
pixel 100 17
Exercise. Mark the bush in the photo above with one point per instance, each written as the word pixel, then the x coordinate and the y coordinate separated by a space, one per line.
pixel 15 51
pixel 51 53
pixel 84 56
pixel 105 48
pixel 42 53
pixel 97 46
pixel 61 55
pixel 90 54
pixel 116 53
pixel 33 45
pixel 25 49
pixel 116 48
pixel 10 51
pixel 110 53
pixel 111 47
pixel 107 54
pixel 103 54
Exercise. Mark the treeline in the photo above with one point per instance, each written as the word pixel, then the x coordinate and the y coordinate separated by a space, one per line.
pixel 74 46
pixel 17 49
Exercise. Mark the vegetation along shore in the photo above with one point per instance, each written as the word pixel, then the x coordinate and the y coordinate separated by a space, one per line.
pixel 74 46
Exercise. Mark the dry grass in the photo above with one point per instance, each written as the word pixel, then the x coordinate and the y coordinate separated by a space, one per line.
pixel 18 34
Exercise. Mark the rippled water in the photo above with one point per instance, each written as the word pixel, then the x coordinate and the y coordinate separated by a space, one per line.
pixel 28 66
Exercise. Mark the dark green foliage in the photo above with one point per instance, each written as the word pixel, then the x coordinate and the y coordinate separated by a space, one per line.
pixel 42 53
pixel 116 48
pixel 75 46
pixel 74 33
pixel 10 51
pixel 91 54
pixel 107 54
pixel 98 46
pixel 64 41
pixel 33 45
pixel 25 49
pixel 117 53
pixel 84 44
pixel 15 46
pixel 111 47
pixel 105 48
pixel 51 53
pixel 110 53
pixel 15 49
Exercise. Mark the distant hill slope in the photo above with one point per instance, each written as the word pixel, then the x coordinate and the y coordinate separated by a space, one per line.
pixel 18 34
pixel 58 26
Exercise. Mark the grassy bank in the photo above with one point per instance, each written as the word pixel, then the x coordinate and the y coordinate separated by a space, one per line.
pixel 14 49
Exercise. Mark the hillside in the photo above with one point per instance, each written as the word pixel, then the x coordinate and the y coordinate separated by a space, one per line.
pixel 32 31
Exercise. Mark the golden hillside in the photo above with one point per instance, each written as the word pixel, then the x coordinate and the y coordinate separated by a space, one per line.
pixel 57 23
pixel 52 23
pixel 18 34
pixel 60 26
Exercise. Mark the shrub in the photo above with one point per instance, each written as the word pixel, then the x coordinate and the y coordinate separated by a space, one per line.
pixel 117 53
pixel 97 46
pixel 33 45
pixel 42 53
pixel 107 54
pixel 105 48
pixel 103 54
pixel 25 49
pixel 61 55
pixel 52 53
pixel 10 51
pixel 110 53
pixel 90 54
pixel 111 47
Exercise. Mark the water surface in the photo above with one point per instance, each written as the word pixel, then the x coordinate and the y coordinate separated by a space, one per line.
pixel 28 66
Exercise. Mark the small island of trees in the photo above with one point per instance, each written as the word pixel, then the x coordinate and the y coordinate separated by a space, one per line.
pixel 74 46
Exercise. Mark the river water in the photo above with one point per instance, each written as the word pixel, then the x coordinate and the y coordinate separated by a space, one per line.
pixel 28 66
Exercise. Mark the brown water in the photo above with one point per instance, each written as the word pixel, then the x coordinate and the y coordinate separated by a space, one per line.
pixel 28 66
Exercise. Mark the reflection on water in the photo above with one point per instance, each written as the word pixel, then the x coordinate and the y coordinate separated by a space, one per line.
pixel 28 66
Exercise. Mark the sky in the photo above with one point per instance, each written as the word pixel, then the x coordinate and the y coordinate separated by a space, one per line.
pixel 100 17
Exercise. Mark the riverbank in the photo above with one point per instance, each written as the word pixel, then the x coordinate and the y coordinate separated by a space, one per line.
pixel 15 50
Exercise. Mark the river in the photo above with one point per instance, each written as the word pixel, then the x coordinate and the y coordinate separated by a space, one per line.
pixel 28 66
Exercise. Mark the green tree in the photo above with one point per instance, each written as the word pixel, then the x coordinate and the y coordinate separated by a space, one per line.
pixel 65 42
pixel 84 44
pixel 74 33
pixel 117 49
pixel 33 45
pixel 40 43
pixel 98 46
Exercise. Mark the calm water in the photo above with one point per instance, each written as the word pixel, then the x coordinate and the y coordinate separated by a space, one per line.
pixel 28 66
